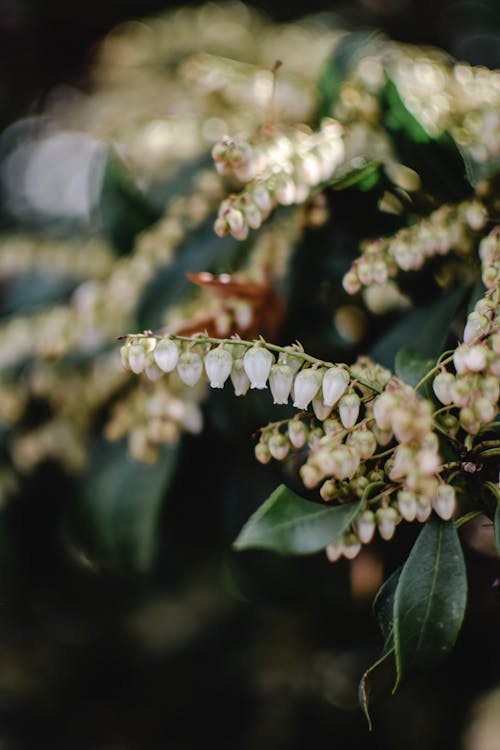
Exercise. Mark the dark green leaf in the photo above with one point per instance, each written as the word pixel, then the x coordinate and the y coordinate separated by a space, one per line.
pixel 427 328
pixel 120 502
pixel 349 50
pixel 124 211
pixel 411 367
pixel 436 159
pixel 430 599
pixel 288 524
pixel 383 606
pixel 363 178
pixel 32 290
pixel 495 491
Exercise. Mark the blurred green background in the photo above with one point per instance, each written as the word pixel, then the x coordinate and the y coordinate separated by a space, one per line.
pixel 242 651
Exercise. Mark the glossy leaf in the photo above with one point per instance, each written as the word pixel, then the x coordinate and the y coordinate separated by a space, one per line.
pixel 494 489
pixel 430 599
pixel 288 524
pixel 120 502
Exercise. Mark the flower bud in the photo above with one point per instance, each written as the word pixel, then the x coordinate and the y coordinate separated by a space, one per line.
pixel 349 409
pixel 124 350
pixel 366 526
pixel 218 366
pixel 328 490
pixel 136 358
pixel 297 433
pixel 280 382
pixel 262 453
pixel 189 367
pixel 320 409
pixel 306 385
pixel 365 443
pixel 382 411
pixel 386 522
pixel 444 503
pixel 310 476
pixel 257 363
pixel 490 388
pixel 239 378
pixel 151 371
pixel 484 410
pixel 476 326
pixel 335 381
pixel 166 355
pixel 424 509
pixel 469 420
pixel 334 551
pixel 278 446
pixel 350 546
pixel 407 504
pixel 442 387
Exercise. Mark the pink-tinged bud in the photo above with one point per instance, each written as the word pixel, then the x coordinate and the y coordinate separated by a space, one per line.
pixel 428 461
pixel 386 522
pixel 490 388
pixel 477 325
pixel 257 363
pixel 365 443
pixel 407 504
pixel 469 420
pixel 335 382
pixel 424 509
pixel 190 367
pixel 285 191
pixel 444 503
pixel 403 424
pixel 306 385
pixel 124 357
pixel 334 551
pixel 461 390
pixel 221 227
pixel 218 365
pixel 349 409
pixel 278 446
pixel 151 371
pixel 495 343
pixel 166 355
pixel 442 385
pixel 346 462
pixel 351 283
pixel 237 224
pixel 297 433
pixel 351 546
pixel 136 358
pixel 310 476
pixel 402 462
pixel 253 216
pixel 476 215
pixel 280 383
pixel 239 378
pixel 366 526
pixel 262 453
pixel 332 426
pixel 321 410
pixel 475 358
pixel 383 437
pixel 382 411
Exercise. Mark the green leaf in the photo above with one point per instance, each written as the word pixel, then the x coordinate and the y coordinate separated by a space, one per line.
pixel 383 607
pixel 410 366
pixel 123 209
pixel 427 328
pixel 348 51
pixel 495 491
pixel 435 158
pixel 364 178
pixel 430 599
pixel 120 503
pixel 288 524
pixel 35 289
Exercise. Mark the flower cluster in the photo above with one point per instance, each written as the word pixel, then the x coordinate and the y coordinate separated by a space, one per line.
pixel 448 228
pixel 361 433
pixel 283 169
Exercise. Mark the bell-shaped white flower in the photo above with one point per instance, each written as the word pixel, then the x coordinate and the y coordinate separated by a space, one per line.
pixel 166 355
pixel 335 381
pixel 239 378
pixel 257 363
pixel 442 387
pixel 278 446
pixel 407 504
pixel 306 385
pixel 136 358
pixel 351 546
pixel 321 410
pixel 349 409
pixel 190 367
pixel 444 503
pixel 386 522
pixel 280 382
pixel 218 365
pixel 297 433
pixel 366 526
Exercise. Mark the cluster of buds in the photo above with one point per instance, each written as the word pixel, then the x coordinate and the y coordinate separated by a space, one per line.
pixel 280 170
pixel 448 228
pixel 489 254
pixel 72 258
pixel 474 387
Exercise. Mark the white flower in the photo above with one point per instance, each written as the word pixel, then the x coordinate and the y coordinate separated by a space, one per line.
pixel 280 382
pixel 190 367
pixel 386 522
pixel 218 365
pixel 442 387
pixel 444 503
pixel 306 385
pixel 166 355
pixel 349 409
pixel 366 526
pixel 239 378
pixel 278 446
pixel 407 504
pixel 257 363
pixel 137 358
pixel 320 409
pixel 335 382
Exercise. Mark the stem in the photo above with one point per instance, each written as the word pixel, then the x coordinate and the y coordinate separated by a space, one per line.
pixel 466 518
pixel 490 452
pixel 437 366
pixel 294 352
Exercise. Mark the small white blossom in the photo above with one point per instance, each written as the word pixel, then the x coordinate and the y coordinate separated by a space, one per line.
pixel 166 355
pixel 335 381
pixel 239 378
pixel 190 367
pixel 280 382
pixel 306 385
pixel 349 409
pixel 257 363
pixel 218 365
